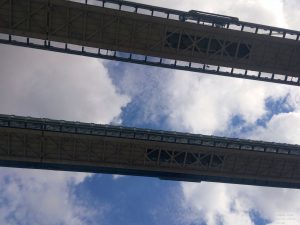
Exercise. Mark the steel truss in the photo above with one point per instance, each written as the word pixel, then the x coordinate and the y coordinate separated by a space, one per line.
pixel 61 145
pixel 155 36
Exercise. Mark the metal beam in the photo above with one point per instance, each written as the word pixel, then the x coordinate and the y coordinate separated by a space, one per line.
pixel 61 145
pixel 155 36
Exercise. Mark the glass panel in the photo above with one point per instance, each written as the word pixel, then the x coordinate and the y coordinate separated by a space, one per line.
pixel 113 133
pixel 235 146
pixel 169 139
pixel 3 123
pixel 165 156
pixel 83 130
pixel 127 134
pixel 153 154
pixel 37 126
pixel 221 144
pixel 259 148
pixel 208 143
pixel 283 151
pixel 154 137
pixel 269 149
pixel 181 140
pixel 98 132
pixel 195 141
pixel 295 152
pixel 52 127
pixel 20 124
pixel 68 129
pixel 246 147
pixel 141 136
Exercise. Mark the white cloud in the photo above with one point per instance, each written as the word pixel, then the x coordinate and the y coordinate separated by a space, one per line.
pixel 235 204
pixel 194 102
pixel 41 197
pixel 284 127
pixel 59 86
pixel 145 86
pixel 291 10
pixel 205 104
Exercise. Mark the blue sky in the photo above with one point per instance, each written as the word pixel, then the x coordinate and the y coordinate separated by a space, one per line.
pixel 45 84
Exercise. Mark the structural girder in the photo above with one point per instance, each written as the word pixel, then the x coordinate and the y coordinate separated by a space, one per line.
pixel 74 146
pixel 126 33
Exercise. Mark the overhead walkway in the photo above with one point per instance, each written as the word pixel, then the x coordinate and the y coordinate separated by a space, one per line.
pixel 131 32
pixel 73 146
